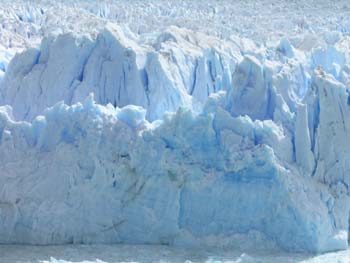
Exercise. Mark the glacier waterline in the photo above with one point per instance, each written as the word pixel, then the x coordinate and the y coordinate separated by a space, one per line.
pixel 144 253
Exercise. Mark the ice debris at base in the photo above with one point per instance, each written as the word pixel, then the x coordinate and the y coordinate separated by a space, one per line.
pixel 188 140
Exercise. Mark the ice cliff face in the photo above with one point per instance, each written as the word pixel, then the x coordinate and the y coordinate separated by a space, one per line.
pixel 188 140
pixel 135 182
pixel 181 68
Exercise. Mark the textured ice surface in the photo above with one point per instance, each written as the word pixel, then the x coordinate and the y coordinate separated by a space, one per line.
pixel 190 139
pixel 181 68
pixel 257 20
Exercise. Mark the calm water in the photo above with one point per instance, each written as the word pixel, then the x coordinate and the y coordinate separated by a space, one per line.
pixel 141 254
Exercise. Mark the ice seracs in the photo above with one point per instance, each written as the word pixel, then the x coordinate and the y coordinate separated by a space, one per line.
pixel 183 69
pixel 249 84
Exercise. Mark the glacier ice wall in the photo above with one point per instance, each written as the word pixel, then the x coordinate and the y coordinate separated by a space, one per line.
pixel 180 68
pixel 189 140
pixel 131 181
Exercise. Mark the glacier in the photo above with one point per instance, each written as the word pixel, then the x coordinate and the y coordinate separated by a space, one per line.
pixel 179 69
pixel 174 137
pixel 211 169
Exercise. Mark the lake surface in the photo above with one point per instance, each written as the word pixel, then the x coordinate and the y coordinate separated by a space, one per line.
pixel 143 254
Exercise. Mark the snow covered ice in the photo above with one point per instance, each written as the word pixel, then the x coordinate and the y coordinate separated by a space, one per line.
pixel 183 135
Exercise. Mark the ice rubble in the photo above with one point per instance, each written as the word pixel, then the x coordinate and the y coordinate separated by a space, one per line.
pixel 189 140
